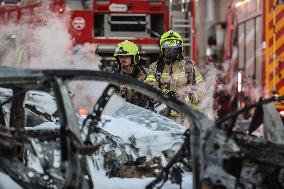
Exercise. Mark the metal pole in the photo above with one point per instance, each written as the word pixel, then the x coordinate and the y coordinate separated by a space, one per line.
pixel 254 65
pixel 245 54
pixel 170 13
pixel 201 32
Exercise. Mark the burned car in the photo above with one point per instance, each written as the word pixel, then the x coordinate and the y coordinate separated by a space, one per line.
pixel 46 143
pixel 239 153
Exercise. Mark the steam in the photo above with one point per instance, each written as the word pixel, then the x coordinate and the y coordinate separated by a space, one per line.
pixel 51 45
pixel 207 89
pixel 42 41
pixel 215 80
pixel 47 44
pixel 44 44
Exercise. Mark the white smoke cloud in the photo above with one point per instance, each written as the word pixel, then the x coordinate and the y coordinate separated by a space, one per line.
pixel 51 45
pixel 41 41
pixel 207 89
pixel 44 44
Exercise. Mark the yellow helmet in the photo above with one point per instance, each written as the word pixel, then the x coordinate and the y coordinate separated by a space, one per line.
pixel 171 45
pixel 127 48
pixel 171 37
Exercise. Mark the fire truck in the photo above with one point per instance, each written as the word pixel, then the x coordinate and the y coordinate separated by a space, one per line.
pixel 105 23
pixel 273 33
pixel 253 50
pixel 108 22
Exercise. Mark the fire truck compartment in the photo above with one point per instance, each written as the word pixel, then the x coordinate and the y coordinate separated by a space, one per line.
pixel 128 25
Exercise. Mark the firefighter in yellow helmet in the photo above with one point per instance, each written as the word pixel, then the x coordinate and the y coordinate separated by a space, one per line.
pixel 129 63
pixel 172 73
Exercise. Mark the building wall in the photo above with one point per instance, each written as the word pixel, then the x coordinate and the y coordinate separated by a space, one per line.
pixel 209 12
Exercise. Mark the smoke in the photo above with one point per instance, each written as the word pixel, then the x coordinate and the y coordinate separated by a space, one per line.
pixel 207 89
pixel 219 91
pixel 41 40
pixel 51 45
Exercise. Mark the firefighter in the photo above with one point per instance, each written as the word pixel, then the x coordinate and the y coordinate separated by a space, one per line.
pixel 21 55
pixel 173 74
pixel 128 63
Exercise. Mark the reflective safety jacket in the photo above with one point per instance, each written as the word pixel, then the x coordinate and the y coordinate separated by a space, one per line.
pixel 175 76
pixel 21 55
pixel 131 95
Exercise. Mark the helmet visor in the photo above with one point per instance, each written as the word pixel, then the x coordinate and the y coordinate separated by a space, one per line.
pixel 172 44
pixel 171 53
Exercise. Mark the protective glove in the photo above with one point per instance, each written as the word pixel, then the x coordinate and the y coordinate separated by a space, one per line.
pixel 151 80
pixel 169 92
pixel 173 113
pixel 193 98
pixel 123 91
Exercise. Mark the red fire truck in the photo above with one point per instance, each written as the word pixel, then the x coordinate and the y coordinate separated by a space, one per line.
pixel 105 23
pixel 253 49
pixel 108 22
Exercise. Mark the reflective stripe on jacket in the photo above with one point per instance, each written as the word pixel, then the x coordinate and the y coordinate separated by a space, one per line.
pixel 21 54
pixel 175 76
